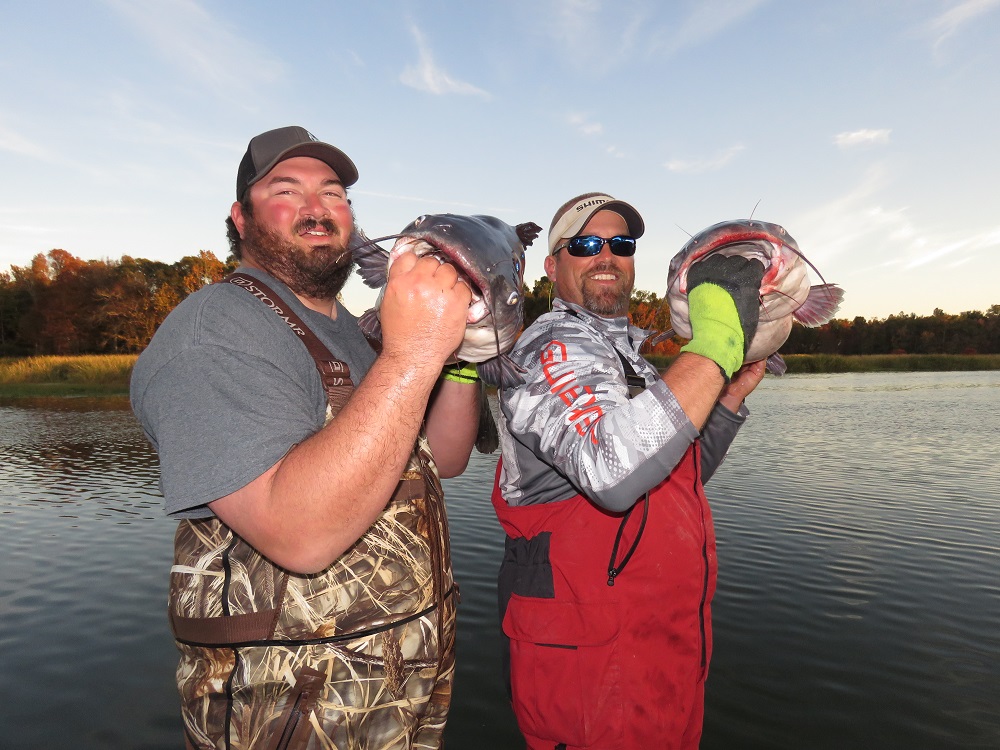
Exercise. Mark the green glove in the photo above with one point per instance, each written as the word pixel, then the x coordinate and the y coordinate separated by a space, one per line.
pixel 724 305
pixel 461 372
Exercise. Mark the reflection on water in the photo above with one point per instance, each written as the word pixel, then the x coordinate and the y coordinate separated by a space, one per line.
pixel 858 519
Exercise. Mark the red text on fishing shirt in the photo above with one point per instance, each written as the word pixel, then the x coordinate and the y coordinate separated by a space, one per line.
pixel 566 387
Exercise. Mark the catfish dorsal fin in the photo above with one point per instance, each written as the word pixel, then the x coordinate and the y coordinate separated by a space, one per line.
pixel 527 232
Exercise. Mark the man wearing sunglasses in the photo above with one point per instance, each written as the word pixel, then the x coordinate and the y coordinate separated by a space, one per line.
pixel 609 564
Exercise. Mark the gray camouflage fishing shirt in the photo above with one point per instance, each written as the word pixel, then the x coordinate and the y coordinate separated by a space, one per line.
pixel 572 428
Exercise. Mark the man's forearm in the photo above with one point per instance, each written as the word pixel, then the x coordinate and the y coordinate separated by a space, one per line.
pixel 696 383
pixel 451 425
pixel 307 509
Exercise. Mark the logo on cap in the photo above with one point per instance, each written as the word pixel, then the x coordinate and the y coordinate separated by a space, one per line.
pixel 595 202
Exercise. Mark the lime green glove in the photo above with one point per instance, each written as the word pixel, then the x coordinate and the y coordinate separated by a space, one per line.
pixel 723 305
pixel 461 372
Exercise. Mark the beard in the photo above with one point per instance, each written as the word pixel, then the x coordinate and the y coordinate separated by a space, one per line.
pixel 317 273
pixel 604 301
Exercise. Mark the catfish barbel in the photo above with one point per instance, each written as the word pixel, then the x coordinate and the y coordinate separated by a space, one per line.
pixel 785 293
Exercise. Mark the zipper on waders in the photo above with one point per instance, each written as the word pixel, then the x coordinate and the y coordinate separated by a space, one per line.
pixel 293 721
pixel 307 690
pixel 704 558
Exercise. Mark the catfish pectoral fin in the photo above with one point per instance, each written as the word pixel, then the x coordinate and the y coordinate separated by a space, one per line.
pixel 487 435
pixel 372 260
pixel 501 371
pixel 371 327
pixel 659 337
pixel 820 305
pixel 776 365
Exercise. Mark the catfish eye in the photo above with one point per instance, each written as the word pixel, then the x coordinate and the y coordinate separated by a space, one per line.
pixel 517 266
pixel 419 220
pixel 513 298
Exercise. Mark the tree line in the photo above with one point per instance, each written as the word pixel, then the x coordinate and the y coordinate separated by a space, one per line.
pixel 60 304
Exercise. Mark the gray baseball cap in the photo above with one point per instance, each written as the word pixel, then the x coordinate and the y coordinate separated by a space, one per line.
pixel 267 149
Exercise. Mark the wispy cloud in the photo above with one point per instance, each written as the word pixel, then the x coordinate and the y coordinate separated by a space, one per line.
pixel 707 19
pixel 868 236
pixel 866 137
pixel 949 23
pixel 574 19
pixel 613 31
pixel 584 125
pixel 187 35
pixel 965 248
pixel 427 76
pixel 18 144
pixel 699 166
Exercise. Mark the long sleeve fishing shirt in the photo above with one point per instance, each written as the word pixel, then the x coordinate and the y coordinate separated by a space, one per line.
pixel 574 415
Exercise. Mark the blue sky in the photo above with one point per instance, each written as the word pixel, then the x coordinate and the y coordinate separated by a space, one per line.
pixel 870 130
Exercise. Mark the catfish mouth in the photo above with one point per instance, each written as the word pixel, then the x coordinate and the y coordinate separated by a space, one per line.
pixel 479 308
pixel 762 250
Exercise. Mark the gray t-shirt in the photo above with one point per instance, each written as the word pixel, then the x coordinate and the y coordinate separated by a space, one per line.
pixel 225 389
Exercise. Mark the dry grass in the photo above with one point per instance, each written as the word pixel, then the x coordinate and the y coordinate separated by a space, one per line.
pixel 78 375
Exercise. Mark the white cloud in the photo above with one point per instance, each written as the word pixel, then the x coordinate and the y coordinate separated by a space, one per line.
pixel 574 20
pixel 864 235
pixel 187 35
pixel 864 137
pixel 708 19
pixel 427 76
pixel 699 166
pixel 18 144
pixel 987 240
pixel 585 125
pixel 951 21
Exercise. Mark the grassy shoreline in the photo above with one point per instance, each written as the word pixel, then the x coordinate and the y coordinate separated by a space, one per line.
pixel 82 375
pixel 108 375
pixel 802 364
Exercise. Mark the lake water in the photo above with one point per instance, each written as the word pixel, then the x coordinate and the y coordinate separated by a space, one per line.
pixel 858 519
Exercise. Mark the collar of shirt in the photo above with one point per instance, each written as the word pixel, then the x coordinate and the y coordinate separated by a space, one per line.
pixel 617 329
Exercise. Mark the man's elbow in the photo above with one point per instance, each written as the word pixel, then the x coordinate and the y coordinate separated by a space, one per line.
pixel 302 559
pixel 613 500
pixel 453 467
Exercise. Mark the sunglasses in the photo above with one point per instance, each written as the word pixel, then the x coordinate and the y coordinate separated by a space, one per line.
pixel 591 245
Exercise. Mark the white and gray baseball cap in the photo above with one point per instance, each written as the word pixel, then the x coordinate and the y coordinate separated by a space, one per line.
pixel 574 215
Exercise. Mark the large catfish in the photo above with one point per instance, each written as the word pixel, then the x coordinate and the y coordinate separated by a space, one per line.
pixel 785 293
pixel 489 256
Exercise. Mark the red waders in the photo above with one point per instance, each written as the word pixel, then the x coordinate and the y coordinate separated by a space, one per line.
pixel 609 667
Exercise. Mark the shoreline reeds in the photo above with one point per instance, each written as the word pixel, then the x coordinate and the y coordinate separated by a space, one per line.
pixel 80 375
pixel 108 374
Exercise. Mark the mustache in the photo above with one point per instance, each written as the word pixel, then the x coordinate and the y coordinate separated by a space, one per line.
pixel 309 224
pixel 604 266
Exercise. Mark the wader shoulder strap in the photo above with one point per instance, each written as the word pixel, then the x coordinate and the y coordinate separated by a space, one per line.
pixel 335 373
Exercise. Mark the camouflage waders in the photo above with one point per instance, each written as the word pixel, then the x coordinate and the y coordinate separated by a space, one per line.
pixel 360 655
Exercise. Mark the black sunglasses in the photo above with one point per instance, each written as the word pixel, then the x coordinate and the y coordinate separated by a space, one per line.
pixel 591 245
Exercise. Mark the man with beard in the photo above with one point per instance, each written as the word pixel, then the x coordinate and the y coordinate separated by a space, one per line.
pixel 311 595
pixel 609 564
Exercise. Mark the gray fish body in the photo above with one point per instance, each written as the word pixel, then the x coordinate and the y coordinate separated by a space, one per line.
pixel 489 255
pixel 785 291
